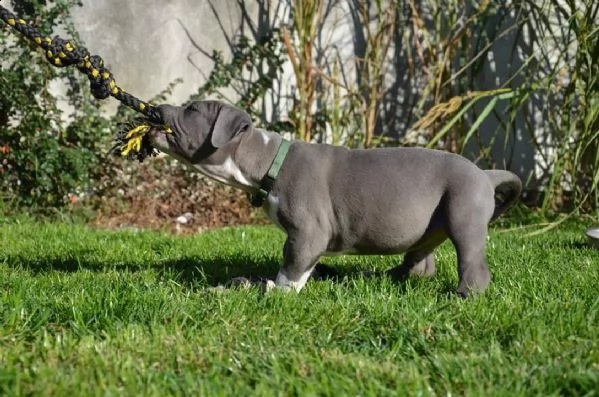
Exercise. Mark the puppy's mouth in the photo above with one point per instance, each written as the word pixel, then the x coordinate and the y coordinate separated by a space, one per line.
pixel 158 138
pixel 140 140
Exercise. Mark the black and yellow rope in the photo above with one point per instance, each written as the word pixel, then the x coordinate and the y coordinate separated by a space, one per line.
pixel 62 53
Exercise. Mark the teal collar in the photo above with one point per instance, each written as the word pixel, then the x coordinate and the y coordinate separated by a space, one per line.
pixel 267 183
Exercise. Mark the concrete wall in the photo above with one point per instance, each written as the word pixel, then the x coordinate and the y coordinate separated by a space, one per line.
pixel 148 44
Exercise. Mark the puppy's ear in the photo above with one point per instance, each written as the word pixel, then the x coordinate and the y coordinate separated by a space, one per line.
pixel 230 121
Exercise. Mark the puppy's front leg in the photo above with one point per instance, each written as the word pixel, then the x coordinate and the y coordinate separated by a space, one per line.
pixel 300 256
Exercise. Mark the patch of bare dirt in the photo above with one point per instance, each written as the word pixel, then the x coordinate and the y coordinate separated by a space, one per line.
pixel 162 194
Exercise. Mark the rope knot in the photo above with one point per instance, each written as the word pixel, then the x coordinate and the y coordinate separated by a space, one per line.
pixel 61 52
pixel 101 80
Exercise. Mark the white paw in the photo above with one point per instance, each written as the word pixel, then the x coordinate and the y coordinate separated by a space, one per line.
pixel 282 281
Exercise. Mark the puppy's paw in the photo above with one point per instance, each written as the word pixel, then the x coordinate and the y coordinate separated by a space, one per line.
pixel 262 284
pixel 239 282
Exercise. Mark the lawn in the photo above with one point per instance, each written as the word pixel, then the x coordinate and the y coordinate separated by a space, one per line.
pixel 96 312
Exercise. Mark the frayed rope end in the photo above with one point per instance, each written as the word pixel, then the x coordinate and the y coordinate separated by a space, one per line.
pixel 133 143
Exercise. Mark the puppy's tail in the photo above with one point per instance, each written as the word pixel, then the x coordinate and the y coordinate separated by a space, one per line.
pixel 507 190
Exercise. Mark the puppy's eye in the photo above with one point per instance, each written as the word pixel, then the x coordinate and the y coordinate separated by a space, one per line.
pixel 191 110
pixel 194 106
pixel 204 106
pixel 188 111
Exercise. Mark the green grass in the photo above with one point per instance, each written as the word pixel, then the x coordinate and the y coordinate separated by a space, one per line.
pixel 89 312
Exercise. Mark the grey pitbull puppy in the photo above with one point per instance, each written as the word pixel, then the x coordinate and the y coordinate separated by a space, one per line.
pixel 331 200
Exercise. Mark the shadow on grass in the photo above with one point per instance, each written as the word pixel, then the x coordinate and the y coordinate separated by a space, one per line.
pixel 336 275
pixel 194 271
pixel 186 271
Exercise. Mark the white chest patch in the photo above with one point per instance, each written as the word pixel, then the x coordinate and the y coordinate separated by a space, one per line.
pixel 227 173
pixel 272 208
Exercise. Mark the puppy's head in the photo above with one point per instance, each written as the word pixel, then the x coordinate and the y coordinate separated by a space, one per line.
pixel 198 130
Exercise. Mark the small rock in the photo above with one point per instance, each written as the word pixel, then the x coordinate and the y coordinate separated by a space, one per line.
pixel 185 218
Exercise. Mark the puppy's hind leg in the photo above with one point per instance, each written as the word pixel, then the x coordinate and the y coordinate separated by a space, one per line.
pixel 425 268
pixel 468 230
pixel 473 272
pixel 300 256
pixel 416 263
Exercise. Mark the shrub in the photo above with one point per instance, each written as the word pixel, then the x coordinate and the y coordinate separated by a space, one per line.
pixel 43 163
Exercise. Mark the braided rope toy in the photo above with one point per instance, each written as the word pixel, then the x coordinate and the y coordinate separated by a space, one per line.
pixel 132 141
